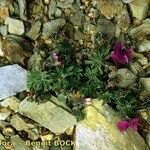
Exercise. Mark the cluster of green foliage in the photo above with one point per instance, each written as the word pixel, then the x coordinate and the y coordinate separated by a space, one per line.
pixel 89 78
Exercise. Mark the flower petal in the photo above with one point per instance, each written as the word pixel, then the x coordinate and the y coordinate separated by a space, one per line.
pixel 123 125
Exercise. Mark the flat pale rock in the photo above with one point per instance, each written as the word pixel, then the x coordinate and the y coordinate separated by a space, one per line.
pixel 12 80
pixel 49 115
pixel 139 8
pixel 15 26
pixel 98 131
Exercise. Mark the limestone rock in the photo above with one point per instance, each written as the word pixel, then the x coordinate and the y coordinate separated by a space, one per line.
pixel 139 8
pixel 18 143
pixel 11 102
pixel 15 26
pixel 48 115
pixel 12 80
pixel 142 30
pixel 4 113
pixel 125 77
pixel 98 131
pixel 51 8
pixel 144 46
pixel 33 33
pixel 52 27
pixel 127 1
pixel 4 13
pixel 123 19
pixel 110 8
pixel 22 9
pixel 3 31
pixel 19 124
pixel 145 83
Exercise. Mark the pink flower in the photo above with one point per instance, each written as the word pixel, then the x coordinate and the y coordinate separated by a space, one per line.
pixel 55 56
pixel 121 55
pixel 123 125
pixel 134 124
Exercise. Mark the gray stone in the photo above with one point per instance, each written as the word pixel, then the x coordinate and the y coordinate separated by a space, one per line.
pixel 11 102
pixel 65 4
pixel 22 9
pixel 98 131
pixel 139 8
pixel 144 46
pixel 52 26
pixel 123 19
pixel 142 30
pixel 3 31
pixel 12 80
pixel 127 1
pixel 145 83
pixel 33 33
pixel 77 19
pixel 19 124
pixel 15 26
pixel 18 143
pixel 4 113
pixel 51 8
pixel 58 13
pixel 125 77
pixel 48 115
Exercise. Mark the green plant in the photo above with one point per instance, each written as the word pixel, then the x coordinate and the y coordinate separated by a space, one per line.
pixel 39 81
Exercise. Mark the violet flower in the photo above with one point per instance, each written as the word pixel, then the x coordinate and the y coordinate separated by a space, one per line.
pixel 123 125
pixel 121 55
pixel 133 124
pixel 55 56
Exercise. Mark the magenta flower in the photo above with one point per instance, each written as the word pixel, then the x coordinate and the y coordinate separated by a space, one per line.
pixel 121 55
pixel 55 56
pixel 134 124
pixel 123 125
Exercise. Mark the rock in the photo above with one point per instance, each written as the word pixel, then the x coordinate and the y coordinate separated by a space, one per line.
pixel 47 137
pixel 105 26
pixel 145 82
pixel 8 85
pixel 127 1
pixel 51 8
pixel 142 30
pixel 65 4
pixel 98 131
pixel 8 131
pixel 89 28
pixel 18 143
pixel 123 19
pixel 143 61
pixel 1 51
pixel 77 19
pixel 148 138
pixel 33 33
pixel 125 78
pixel 33 134
pixel 144 46
pixel 35 61
pixel 4 13
pixel 3 31
pixel 52 26
pixel 4 113
pixel 15 26
pixel 110 8
pixel 23 9
pixel 139 8
pixel 53 117
pixel 46 1
pixel 58 13
pixel 16 49
pixel 19 124
pixel 11 102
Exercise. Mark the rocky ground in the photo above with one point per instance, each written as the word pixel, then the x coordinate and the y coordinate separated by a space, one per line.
pixel 29 30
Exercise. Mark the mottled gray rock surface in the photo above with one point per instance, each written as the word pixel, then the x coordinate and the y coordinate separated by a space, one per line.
pixel 12 80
